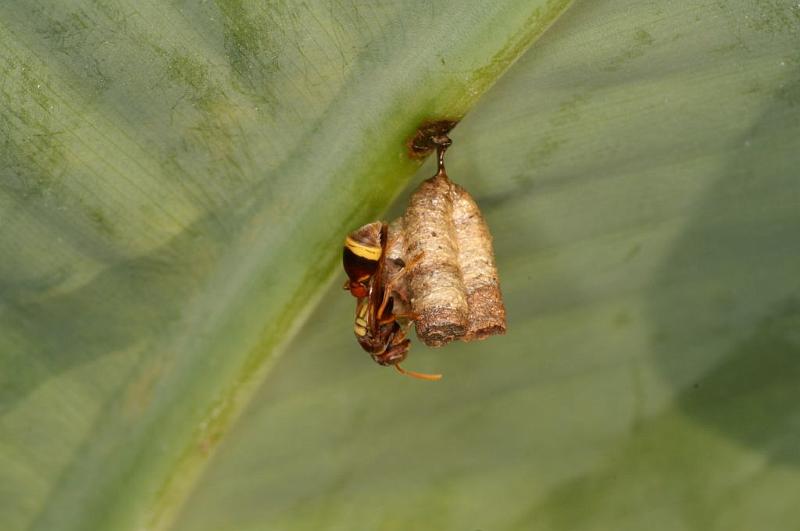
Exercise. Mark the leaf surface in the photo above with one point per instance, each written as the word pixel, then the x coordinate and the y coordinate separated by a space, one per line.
pixel 175 182
pixel 639 170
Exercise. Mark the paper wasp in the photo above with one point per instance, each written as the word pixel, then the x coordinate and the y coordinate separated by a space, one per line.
pixel 377 326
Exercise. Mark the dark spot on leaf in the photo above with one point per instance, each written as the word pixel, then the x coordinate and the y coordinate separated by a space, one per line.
pixel 423 143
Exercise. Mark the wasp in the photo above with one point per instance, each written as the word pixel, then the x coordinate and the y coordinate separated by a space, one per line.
pixel 377 326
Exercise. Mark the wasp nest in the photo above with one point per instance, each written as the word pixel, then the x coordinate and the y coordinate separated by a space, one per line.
pixel 451 286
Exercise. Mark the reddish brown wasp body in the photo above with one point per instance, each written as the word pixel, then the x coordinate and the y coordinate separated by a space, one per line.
pixel 377 326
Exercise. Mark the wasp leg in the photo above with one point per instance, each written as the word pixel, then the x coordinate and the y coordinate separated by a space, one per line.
pixel 409 316
pixel 390 319
pixel 387 290
pixel 387 294
pixel 394 354
pixel 414 261
pixel 405 316
pixel 397 352
pixel 396 349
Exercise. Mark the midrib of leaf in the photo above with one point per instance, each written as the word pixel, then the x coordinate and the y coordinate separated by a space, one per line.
pixel 230 335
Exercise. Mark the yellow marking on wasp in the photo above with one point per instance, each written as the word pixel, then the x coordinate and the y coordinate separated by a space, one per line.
pixel 370 252
pixel 360 326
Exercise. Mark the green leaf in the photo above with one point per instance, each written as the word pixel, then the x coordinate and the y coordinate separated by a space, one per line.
pixel 639 170
pixel 175 182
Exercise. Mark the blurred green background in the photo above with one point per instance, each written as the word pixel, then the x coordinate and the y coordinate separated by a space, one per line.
pixel 638 167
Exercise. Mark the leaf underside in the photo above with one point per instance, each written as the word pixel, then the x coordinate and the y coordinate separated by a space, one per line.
pixel 175 181
pixel 639 170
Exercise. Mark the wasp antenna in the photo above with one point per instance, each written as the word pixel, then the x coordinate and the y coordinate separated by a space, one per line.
pixel 418 375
